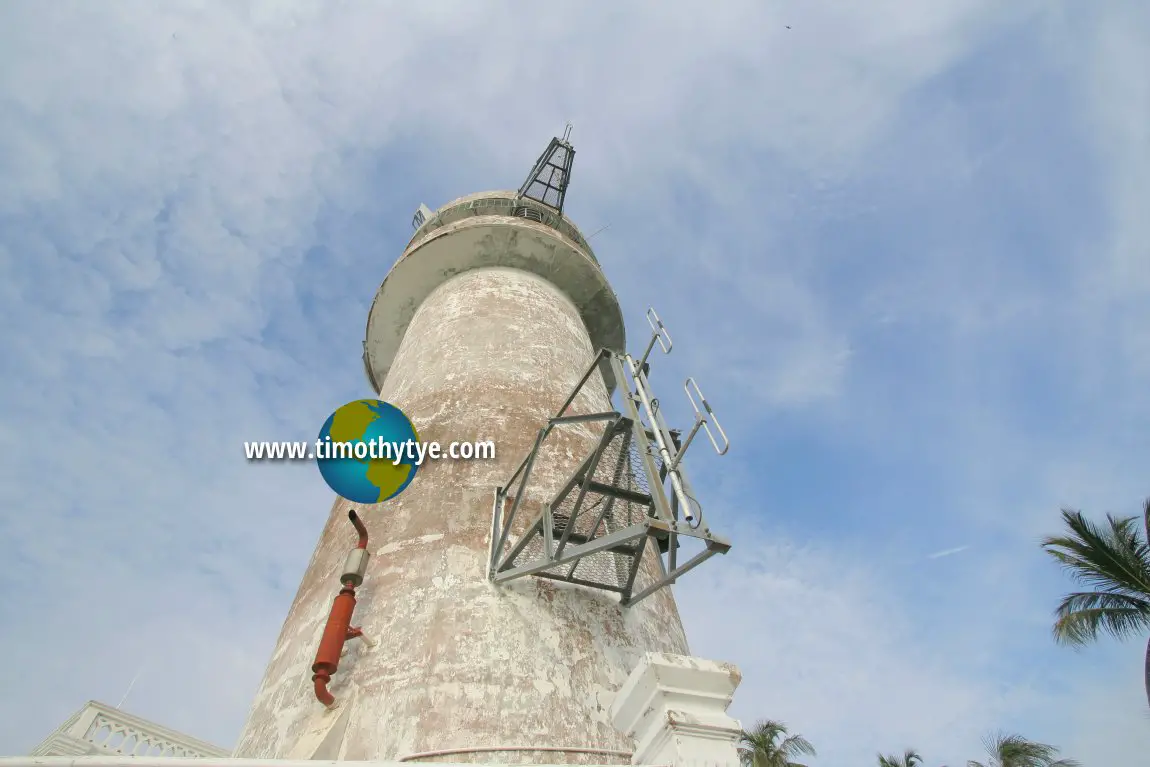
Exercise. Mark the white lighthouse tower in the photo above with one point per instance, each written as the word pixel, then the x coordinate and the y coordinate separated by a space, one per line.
pixel 517 609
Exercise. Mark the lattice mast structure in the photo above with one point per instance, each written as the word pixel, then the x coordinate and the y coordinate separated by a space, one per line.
pixel 499 604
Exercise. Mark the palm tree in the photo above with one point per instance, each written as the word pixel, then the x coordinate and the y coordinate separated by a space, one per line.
pixel 1017 751
pixel 910 758
pixel 1114 562
pixel 769 745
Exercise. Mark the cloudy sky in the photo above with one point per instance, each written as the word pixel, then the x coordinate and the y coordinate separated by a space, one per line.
pixel 898 243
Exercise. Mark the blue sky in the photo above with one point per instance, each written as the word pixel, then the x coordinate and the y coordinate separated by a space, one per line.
pixel 902 247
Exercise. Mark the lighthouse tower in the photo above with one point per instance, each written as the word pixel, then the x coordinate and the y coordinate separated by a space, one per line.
pixel 497 606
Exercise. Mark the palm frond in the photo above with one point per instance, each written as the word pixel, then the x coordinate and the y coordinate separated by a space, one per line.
pixel 1082 616
pixel 768 744
pixel 910 758
pixel 1017 751
pixel 796 745
pixel 1114 559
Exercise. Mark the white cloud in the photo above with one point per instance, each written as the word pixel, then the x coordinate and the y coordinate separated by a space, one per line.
pixel 196 202
pixel 825 647
pixel 825 644
pixel 1101 731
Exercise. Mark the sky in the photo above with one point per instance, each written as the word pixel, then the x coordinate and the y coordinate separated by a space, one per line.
pixel 902 246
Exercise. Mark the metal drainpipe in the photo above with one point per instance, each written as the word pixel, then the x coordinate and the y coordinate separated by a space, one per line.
pixel 492 749
pixel 339 628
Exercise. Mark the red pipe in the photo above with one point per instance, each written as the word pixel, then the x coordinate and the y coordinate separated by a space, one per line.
pixel 338 629
pixel 321 692
pixel 359 528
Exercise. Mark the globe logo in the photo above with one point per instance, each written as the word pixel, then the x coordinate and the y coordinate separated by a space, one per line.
pixel 361 453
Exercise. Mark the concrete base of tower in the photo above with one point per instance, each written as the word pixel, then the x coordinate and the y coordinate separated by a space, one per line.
pixel 672 710
pixel 460 663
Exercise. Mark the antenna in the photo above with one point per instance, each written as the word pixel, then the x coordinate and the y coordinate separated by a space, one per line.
pixel 422 214
pixel 548 180
pixel 594 532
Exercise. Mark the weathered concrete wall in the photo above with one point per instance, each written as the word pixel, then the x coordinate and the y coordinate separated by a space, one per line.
pixel 482 241
pixel 490 354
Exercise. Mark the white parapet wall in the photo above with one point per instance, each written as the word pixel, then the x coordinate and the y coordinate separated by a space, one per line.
pixel 675 707
pixel 100 729
pixel 159 761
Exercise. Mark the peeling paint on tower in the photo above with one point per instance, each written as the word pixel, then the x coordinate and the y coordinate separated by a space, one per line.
pixel 480 331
